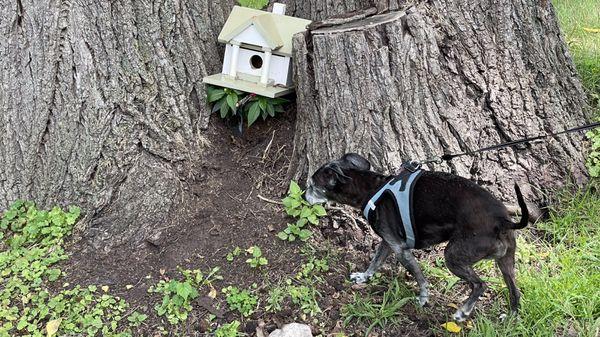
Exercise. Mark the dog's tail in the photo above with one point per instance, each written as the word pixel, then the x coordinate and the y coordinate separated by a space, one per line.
pixel 524 212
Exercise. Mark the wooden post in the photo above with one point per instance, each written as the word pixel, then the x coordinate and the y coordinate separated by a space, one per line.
pixel 264 77
pixel 234 59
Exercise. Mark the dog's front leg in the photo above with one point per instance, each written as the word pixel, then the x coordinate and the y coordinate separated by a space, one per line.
pixel 381 253
pixel 410 263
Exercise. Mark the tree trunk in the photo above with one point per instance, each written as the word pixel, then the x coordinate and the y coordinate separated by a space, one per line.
pixel 443 77
pixel 102 105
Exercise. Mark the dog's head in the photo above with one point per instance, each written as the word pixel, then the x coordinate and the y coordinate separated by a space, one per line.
pixel 329 182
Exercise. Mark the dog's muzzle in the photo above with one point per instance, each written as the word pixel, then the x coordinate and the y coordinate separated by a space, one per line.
pixel 314 195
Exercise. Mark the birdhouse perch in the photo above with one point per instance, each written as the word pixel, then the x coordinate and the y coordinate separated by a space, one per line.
pixel 258 52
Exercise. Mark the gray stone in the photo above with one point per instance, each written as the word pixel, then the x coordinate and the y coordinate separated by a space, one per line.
pixel 292 330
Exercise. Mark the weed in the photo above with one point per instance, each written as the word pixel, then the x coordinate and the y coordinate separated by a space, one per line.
pixel 593 160
pixel 276 297
pixel 257 260
pixel 178 295
pixel 31 245
pixel 241 300
pixel 297 207
pixel 295 230
pixel 312 268
pixel 228 330
pixel 136 318
pixel 233 254
pixel 226 102
pixel 378 310
pixel 305 296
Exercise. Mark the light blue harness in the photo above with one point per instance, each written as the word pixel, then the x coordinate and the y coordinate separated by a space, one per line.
pixel 401 189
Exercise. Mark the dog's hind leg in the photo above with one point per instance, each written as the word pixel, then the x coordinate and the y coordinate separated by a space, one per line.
pixel 462 266
pixel 381 253
pixel 506 264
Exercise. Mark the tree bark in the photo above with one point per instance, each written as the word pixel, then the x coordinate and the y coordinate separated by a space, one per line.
pixel 102 106
pixel 443 77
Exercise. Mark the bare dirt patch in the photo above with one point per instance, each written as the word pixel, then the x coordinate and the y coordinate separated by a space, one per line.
pixel 235 172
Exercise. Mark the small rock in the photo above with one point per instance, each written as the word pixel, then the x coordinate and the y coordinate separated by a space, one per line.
pixel 292 330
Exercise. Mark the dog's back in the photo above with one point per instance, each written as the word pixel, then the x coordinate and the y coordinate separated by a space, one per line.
pixel 445 205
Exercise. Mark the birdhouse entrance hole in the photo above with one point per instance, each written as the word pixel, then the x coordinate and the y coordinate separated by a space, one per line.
pixel 256 62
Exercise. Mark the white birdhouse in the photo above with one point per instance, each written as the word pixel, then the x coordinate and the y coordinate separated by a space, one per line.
pixel 258 52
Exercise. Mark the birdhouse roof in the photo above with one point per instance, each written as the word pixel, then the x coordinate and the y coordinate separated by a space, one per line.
pixel 277 30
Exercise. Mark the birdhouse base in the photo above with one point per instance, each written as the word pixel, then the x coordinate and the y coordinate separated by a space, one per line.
pixel 226 81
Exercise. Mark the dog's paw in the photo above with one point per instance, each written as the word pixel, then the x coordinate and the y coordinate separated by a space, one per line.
pixel 460 316
pixel 359 278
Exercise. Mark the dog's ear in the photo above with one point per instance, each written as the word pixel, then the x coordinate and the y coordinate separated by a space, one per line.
pixel 338 173
pixel 357 161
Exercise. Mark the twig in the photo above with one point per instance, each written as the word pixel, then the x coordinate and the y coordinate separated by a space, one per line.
pixel 269 200
pixel 268 146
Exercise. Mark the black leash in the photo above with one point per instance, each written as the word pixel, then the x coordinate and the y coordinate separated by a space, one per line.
pixel 448 157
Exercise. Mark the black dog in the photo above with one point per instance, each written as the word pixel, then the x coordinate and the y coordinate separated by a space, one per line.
pixel 446 207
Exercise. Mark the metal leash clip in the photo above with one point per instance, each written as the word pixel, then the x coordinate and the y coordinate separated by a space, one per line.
pixel 411 166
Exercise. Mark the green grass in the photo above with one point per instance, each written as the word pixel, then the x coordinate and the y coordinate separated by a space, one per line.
pixel 578 19
pixel 558 276
pixel 380 309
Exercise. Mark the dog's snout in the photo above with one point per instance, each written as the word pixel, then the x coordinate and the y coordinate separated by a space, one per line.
pixel 310 197
pixel 313 195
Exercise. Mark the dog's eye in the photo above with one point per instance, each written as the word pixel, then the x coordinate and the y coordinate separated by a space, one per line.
pixel 331 182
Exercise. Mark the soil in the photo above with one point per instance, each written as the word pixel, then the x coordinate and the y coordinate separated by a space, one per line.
pixel 237 172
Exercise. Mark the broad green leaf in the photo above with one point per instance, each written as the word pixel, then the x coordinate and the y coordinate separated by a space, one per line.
pixel 232 100
pixel 263 103
pixel 278 101
pixel 319 210
pixel 306 212
pixel 253 113
pixel 295 188
pixel 215 95
pixel 301 222
pixel 270 110
pixel 216 107
pixel 224 110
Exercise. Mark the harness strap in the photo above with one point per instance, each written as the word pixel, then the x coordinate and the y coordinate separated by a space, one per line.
pixel 401 190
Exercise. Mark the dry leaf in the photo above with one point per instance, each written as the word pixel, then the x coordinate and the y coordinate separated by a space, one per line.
pixel 451 326
pixel 212 293
pixel 52 327
pixel 162 271
pixel 104 288
pixel 129 286
pixel 591 30
pixel 469 325
pixel 452 305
